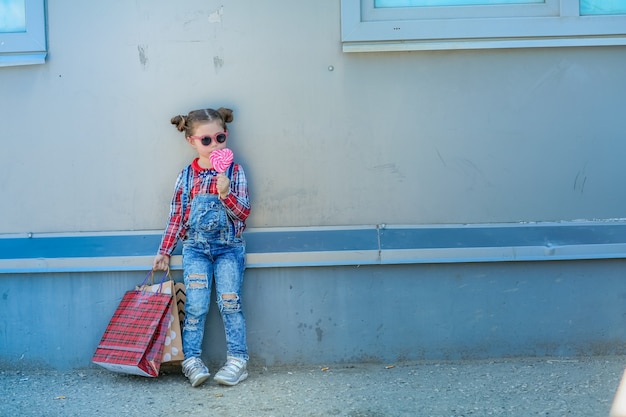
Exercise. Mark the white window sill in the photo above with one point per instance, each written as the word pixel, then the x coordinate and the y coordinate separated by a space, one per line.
pixel 13 60
pixel 491 43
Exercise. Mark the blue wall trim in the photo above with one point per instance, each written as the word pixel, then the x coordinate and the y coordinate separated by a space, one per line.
pixel 503 236
pixel 328 246
pixel 78 246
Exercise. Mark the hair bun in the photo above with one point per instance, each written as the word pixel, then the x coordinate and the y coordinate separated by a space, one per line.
pixel 227 114
pixel 179 121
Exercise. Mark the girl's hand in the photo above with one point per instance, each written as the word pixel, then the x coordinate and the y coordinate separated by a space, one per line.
pixel 161 263
pixel 223 185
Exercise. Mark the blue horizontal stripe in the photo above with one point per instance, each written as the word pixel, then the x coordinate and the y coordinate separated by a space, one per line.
pixel 78 246
pixel 312 240
pixel 148 244
pixel 419 241
pixel 501 237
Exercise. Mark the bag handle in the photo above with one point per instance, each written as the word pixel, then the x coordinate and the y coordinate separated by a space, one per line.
pixel 150 274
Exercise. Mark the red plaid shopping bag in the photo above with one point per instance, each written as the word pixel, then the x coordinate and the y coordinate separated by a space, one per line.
pixel 133 340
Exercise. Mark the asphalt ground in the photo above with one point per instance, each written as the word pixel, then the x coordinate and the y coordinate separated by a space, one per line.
pixel 521 387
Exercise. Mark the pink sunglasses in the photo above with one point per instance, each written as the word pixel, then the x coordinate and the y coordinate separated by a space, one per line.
pixel 219 137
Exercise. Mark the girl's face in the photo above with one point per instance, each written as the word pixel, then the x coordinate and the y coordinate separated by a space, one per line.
pixel 203 132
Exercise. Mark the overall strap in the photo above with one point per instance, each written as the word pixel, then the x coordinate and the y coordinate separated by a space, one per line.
pixel 186 194
pixel 231 169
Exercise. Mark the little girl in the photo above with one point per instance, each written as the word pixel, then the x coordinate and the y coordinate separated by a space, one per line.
pixel 208 213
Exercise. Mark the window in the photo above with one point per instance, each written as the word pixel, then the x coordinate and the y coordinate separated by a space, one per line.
pixel 589 7
pixel 22 32
pixel 404 25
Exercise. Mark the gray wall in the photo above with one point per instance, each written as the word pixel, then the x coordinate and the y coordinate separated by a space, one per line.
pixel 348 314
pixel 406 138
pixel 454 137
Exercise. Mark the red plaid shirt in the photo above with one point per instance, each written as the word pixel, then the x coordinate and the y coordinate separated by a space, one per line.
pixel 237 203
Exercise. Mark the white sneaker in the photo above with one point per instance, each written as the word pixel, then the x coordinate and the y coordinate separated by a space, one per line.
pixel 233 372
pixel 195 370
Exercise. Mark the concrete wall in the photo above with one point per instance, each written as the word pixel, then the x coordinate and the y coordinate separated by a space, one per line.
pixel 347 314
pixel 406 138
pixel 419 138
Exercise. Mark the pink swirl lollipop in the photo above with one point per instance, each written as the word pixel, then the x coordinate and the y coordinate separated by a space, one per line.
pixel 221 159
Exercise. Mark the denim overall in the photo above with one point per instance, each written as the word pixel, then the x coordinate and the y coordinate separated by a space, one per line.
pixel 211 249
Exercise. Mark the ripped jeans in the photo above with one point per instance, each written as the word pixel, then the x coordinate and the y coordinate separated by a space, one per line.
pixel 207 255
